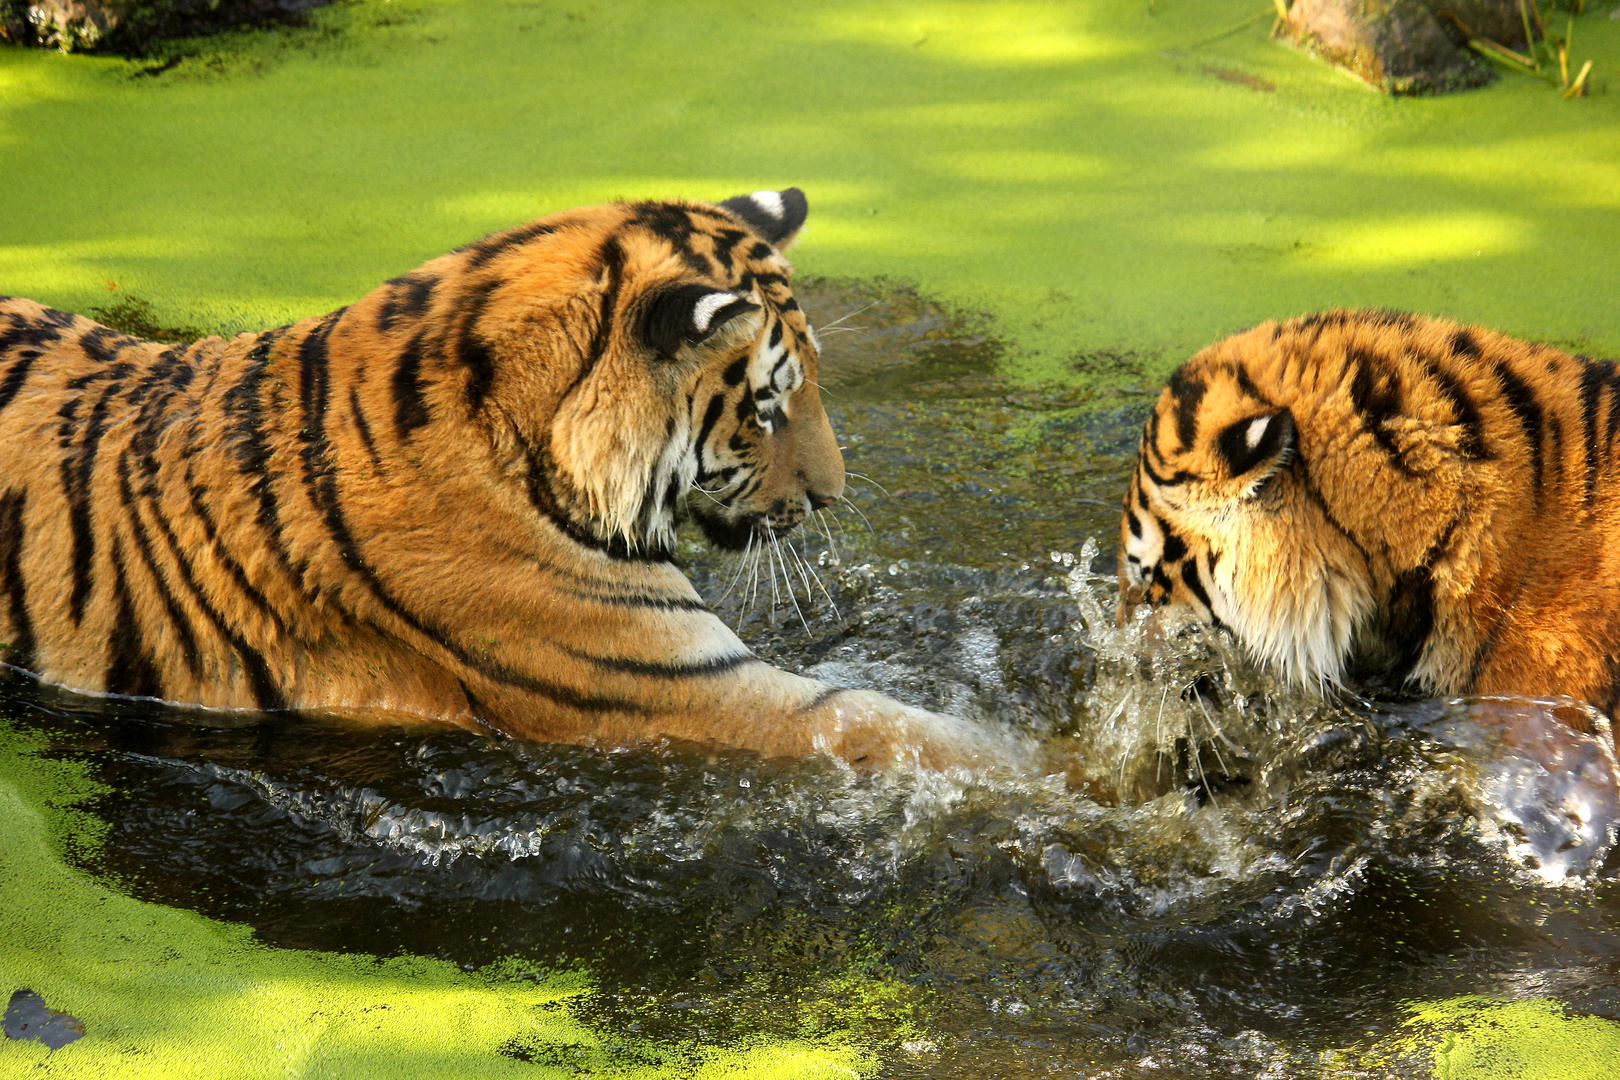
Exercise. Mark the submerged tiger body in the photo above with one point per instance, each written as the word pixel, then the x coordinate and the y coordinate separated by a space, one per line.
pixel 455 498
pixel 1389 493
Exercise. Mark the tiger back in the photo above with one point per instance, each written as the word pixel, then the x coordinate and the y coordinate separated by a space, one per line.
pixel 454 498
pixel 1405 494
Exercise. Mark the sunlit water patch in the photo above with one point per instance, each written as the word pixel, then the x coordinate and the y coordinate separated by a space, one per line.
pixel 1212 875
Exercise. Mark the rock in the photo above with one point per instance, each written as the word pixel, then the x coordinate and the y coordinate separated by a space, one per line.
pixel 27 1017
pixel 1405 46
pixel 130 26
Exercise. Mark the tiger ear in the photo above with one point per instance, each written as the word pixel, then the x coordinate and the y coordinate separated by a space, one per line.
pixel 776 215
pixel 1260 441
pixel 689 315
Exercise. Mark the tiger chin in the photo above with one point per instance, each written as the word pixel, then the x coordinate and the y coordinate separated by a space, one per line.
pixel 1375 492
pixel 455 498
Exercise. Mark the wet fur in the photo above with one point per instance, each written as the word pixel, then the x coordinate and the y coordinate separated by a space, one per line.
pixel 1406 494
pixel 454 498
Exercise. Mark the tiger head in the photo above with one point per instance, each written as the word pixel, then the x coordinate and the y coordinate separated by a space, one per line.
pixel 643 361
pixel 1221 519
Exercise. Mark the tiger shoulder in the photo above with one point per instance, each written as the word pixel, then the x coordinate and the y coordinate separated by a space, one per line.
pixel 1370 488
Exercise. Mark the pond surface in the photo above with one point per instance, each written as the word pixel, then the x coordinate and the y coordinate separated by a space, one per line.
pixel 1221 877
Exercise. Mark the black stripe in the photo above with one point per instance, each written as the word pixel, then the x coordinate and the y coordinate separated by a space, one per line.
pixel 46 330
pixel 711 416
pixel 471 349
pixel 657 603
pixel 17 375
pixel 493 245
pixel 1188 393
pixel 674 224
pixel 251 448
pixel 130 670
pixel 266 692
pixel 1612 423
pixel 541 499
pixel 716 666
pixel 1463 344
pixel 409 296
pixel 1524 406
pixel 232 567
pixel 1166 481
pixel 1595 374
pixel 1375 393
pixel 819 700
pixel 1246 384
pixel 410 407
pixel 78 470
pixel 725 243
pixel 20 649
pixel 1175 548
pixel 1472 443
pixel 143 546
pixel 612 260
pixel 1611 695
pixel 363 428
pixel 103 344
pixel 1189 578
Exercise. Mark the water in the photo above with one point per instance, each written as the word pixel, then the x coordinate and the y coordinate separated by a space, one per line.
pixel 1217 877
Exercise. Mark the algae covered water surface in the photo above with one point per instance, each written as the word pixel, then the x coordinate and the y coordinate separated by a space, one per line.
pixel 1219 878
pixel 1099 175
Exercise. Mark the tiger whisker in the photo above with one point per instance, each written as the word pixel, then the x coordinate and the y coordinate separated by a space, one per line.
pixel 788 581
pixel 770 618
pixel 868 479
pixel 1213 729
pixel 753 584
pixel 850 315
pixel 868 521
pixel 1198 762
pixel 710 496
pixel 836 520
pixel 1158 737
pixel 826 532
pixel 806 571
pixel 742 564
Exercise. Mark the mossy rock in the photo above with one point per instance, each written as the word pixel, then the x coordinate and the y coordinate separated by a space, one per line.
pixel 130 27
pixel 1405 46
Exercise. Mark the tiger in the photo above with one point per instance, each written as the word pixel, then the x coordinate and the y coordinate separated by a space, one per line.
pixel 455 498
pixel 1369 493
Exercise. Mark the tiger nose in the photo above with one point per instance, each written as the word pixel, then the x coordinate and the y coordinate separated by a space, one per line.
pixel 819 501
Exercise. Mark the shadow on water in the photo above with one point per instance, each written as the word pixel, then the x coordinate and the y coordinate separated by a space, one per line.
pixel 1221 877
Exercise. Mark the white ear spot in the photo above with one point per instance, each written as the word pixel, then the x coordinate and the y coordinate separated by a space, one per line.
pixel 705 308
pixel 1256 431
pixel 769 201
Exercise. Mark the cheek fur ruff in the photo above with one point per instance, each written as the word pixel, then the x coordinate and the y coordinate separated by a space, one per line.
pixel 1297 606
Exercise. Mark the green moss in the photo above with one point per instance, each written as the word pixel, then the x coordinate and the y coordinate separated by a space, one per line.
pixel 1087 173
pixel 168 994
pixel 133 315
pixel 1474 1038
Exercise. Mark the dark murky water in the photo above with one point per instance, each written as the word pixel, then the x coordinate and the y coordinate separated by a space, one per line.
pixel 1221 879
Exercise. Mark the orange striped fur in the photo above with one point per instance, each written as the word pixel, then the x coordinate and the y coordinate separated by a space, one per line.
pixel 454 498
pixel 1392 493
